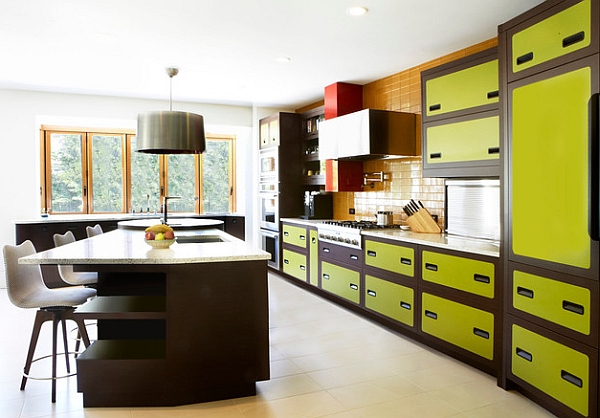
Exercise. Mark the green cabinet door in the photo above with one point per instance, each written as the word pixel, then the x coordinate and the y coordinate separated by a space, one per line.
pixel 562 33
pixel 473 276
pixel 464 89
pixel 390 299
pixel 468 140
pixel 562 303
pixel 553 368
pixel 294 264
pixel 314 257
pixel 549 166
pixel 390 257
pixel 341 281
pixel 295 235
pixel 464 326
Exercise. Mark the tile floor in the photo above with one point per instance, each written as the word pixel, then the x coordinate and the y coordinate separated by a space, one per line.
pixel 325 362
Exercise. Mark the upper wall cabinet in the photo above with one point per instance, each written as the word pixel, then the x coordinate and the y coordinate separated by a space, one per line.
pixel 550 37
pixel 461 126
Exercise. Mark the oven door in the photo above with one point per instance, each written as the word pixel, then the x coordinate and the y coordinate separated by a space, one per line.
pixel 270 243
pixel 269 211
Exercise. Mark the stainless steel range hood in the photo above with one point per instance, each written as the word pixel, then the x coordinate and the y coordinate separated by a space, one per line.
pixel 369 134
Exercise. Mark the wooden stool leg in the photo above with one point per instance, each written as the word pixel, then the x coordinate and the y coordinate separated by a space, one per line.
pixel 82 332
pixel 40 317
pixel 65 343
pixel 55 321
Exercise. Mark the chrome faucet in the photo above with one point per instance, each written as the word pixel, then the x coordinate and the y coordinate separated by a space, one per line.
pixel 164 207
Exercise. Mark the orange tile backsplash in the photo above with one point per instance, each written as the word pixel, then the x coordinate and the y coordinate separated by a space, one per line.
pixel 399 92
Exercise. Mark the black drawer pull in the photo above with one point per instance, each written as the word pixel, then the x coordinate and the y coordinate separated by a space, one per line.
pixel 302 238
pixel 405 305
pixel 493 94
pixel 481 333
pixel 286 261
pixel 573 39
pixel 286 233
pixel 434 107
pixel 572 307
pixel 525 58
pixel 524 354
pixel 430 314
pixel 353 257
pixel 326 276
pixel 481 278
pixel 326 250
pixel 313 240
pixel 371 253
pixel 353 286
pixel 302 267
pixel 435 155
pixel 406 261
pixel 371 293
pixel 523 291
pixel 432 267
pixel 494 150
pixel 571 378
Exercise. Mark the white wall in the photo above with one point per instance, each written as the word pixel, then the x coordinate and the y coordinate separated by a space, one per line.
pixel 23 112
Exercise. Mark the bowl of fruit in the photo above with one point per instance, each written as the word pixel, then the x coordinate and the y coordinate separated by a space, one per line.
pixel 159 236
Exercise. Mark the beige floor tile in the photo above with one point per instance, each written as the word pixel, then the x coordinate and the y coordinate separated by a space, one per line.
pixel 423 406
pixel 308 405
pixel 287 386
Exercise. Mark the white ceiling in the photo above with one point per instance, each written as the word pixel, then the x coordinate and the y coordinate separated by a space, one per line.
pixel 226 50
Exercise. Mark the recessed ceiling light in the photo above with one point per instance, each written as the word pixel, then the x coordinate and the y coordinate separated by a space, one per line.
pixel 357 10
pixel 283 59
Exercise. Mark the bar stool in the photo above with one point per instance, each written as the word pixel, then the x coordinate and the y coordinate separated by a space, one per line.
pixel 26 289
pixel 66 272
pixel 93 230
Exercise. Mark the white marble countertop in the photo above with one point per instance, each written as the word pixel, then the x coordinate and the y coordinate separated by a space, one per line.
pixel 123 246
pixel 118 217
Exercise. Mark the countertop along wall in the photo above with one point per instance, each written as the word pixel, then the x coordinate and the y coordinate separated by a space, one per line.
pixel 399 92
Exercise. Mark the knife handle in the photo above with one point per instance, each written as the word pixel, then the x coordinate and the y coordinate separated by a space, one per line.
pixel 594 168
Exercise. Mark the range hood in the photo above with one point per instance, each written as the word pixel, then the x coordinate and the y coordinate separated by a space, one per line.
pixel 369 134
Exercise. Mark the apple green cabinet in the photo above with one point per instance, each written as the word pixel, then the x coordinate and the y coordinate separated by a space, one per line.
pixel 549 72
pixel 390 299
pixel 461 124
pixel 341 281
pixel 295 251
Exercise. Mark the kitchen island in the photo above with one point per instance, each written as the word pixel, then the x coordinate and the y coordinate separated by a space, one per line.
pixel 176 326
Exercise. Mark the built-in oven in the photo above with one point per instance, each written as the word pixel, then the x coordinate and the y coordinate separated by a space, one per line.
pixel 270 243
pixel 269 210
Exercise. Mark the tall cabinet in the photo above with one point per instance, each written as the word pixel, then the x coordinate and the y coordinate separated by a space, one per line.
pixel 549 69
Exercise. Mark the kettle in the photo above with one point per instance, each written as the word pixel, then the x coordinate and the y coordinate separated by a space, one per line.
pixel 384 217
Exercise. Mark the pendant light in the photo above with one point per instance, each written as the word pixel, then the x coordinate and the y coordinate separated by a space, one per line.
pixel 170 132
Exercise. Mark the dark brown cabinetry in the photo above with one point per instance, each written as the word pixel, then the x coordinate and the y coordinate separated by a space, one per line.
pixel 313 172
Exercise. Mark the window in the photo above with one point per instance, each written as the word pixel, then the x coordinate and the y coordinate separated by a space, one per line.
pixel 101 172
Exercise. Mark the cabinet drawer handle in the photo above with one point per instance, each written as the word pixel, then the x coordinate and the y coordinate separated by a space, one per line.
pixel 302 238
pixel 286 233
pixel 353 286
pixel 573 39
pixel 353 257
pixel 434 107
pixel 493 94
pixel 525 58
pixel 435 155
pixel 432 267
pixel 406 261
pixel 494 150
pixel 405 305
pixel 523 291
pixel 481 278
pixel 371 253
pixel 524 354
pixel 430 314
pixel 313 240
pixel 302 267
pixel 326 250
pixel 326 276
pixel 571 378
pixel 286 261
pixel 371 293
pixel 481 333
pixel 572 307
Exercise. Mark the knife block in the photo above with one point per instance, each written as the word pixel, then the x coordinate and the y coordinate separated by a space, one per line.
pixel 423 222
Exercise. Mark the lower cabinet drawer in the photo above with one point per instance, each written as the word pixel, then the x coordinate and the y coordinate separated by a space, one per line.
pixel 295 235
pixel 294 264
pixel 394 258
pixel 555 369
pixel 562 303
pixel 341 281
pixel 458 324
pixel 390 299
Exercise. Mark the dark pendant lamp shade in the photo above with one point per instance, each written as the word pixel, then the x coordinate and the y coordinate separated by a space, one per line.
pixel 170 132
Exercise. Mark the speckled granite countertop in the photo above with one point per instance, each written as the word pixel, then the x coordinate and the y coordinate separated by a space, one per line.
pixel 128 247
pixel 444 241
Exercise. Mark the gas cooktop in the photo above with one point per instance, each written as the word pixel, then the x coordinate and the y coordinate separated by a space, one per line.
pixel 359 224
pixel 347 233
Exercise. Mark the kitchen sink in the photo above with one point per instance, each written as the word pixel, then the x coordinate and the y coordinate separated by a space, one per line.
pixel 198 239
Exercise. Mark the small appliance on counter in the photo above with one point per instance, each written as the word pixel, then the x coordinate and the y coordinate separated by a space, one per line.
pixel 317 205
